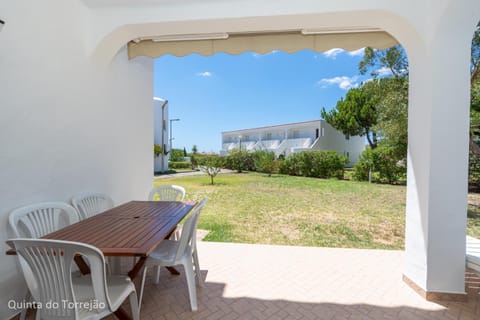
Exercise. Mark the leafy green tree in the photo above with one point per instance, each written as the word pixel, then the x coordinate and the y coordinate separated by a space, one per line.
pixel 194 149
pixel 475 93
pixel 392 123
pixel 392 59
pixel 357 115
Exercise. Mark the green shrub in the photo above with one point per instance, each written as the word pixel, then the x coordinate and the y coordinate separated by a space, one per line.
pixel 179 165
pixel 176 155
pixel 318 164
pixel 199 159
pixel 383 163
pixel 240 160
pixel 265 161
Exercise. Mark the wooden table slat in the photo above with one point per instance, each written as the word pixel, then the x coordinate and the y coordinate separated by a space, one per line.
pixel 134 228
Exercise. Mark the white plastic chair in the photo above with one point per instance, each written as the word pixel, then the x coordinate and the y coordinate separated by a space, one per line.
pixel 47 264
pixel 37 220
pixel 167 193
pixel 90 204
pixel 183 251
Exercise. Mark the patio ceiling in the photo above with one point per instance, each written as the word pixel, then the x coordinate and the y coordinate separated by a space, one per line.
pixel 289 41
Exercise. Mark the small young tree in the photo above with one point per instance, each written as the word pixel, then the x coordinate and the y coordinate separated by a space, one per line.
pixel 212 165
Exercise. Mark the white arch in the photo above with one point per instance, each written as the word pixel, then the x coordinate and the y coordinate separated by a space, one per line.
pixel 114 36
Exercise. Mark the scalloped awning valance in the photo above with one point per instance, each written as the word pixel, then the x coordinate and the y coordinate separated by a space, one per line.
pixel 262 43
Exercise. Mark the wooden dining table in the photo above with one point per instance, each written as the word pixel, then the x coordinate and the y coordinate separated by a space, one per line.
pixel 132 229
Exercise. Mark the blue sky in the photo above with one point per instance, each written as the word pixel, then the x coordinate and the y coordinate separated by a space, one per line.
pixel 229 92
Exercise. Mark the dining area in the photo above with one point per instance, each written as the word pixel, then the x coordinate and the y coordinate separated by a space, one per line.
pixel 84 259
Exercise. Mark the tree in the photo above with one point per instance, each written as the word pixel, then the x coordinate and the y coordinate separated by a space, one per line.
pixel 194 149
pixel 356 115
pixel 395 60
pixel 392 122
pixel 475 92
pixel 392 59
pixel 212 166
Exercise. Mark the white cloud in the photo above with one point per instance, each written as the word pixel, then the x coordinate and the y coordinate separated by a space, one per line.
pixel 357 53
pixel 343 82
pixel 332 53
pixel 259 55
pixel 383 72
pixel 205 74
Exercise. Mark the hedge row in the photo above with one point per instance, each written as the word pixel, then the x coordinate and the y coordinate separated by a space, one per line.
pixel 318 164
pixel 179 165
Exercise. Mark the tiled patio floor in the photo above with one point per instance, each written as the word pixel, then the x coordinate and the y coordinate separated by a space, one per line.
pixel 279 282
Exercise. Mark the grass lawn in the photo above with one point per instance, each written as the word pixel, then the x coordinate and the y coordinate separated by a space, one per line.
pixel 254 208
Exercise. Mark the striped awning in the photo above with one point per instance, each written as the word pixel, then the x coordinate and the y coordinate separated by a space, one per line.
pixel 261 43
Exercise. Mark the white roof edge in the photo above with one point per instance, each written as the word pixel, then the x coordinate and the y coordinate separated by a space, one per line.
pixel 277 125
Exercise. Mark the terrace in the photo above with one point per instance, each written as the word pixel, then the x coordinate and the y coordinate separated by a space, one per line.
pixel 76 116
pixel 282 282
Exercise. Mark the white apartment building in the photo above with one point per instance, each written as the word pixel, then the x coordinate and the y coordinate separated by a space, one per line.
pixel 294 137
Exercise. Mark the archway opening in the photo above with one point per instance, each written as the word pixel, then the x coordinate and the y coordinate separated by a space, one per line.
pixel 204 93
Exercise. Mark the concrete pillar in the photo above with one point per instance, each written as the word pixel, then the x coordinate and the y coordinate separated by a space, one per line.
pixel 438 163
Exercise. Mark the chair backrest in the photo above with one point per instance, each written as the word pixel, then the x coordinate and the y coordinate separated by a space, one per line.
pixel 47 265
pixel 90 204
pixel 37 220
pixel 189 230
pixel 167 193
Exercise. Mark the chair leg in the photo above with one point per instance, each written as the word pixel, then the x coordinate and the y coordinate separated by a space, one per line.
pixel 23 314
pixel 142 287
pixel 134 305
pixel 157 274
pixel 197 269
pixel 192 292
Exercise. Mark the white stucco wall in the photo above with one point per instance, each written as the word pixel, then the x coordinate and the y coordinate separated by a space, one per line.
pixel 66 125
pixel 333 139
